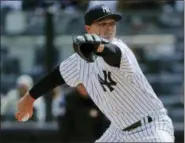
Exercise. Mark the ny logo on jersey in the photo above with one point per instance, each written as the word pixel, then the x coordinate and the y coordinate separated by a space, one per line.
pixel 105 82
pixel 105 9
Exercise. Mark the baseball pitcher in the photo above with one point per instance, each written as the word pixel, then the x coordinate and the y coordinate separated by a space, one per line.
pixel 107 69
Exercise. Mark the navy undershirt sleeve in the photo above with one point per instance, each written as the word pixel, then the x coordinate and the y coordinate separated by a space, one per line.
pixel 111 54
pixel 50 81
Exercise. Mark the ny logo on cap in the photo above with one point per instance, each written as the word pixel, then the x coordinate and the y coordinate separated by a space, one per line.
pixel 105 9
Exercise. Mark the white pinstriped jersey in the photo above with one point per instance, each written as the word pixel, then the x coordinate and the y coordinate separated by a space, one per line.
pixel 123 94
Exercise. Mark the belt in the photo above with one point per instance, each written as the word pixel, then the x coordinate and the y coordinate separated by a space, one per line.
pixel 137 124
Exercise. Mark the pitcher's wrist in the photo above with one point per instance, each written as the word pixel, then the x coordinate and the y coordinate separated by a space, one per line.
pixel 29 97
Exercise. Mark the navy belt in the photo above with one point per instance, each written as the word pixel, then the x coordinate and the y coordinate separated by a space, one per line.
pixel 137 124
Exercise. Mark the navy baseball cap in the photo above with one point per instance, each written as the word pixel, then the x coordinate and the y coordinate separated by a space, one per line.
pixel 99 12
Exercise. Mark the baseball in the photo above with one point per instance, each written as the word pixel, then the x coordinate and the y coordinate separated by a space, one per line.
pixel 25 118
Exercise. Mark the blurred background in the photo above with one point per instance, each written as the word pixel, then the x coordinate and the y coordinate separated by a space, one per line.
pixel 36 35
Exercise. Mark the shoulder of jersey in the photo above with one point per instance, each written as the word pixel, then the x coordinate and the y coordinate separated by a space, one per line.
pixel 120 43
pixel 74 55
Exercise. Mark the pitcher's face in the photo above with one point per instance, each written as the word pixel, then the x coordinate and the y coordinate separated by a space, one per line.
pixel 105 28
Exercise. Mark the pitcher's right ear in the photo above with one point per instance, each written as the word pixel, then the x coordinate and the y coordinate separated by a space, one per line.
pixel 87 28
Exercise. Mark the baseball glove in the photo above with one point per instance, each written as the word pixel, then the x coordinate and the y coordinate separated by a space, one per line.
pixel 86 46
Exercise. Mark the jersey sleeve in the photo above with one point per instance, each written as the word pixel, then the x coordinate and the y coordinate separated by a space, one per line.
pixel 127 63
pixel 69 70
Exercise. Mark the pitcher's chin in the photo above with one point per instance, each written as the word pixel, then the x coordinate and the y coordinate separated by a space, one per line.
pixel 108 37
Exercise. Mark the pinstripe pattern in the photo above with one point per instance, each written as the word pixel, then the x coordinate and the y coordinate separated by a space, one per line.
pixel 124 103
pixel 69 70
pixel 149 132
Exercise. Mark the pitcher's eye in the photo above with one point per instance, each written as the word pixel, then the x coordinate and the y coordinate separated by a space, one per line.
pixel 112 23
pixel 102 24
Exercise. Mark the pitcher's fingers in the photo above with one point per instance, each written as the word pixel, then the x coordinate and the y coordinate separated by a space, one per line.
pixel 31 114
pixel 21 115
pixel 17 114
pixel 24 117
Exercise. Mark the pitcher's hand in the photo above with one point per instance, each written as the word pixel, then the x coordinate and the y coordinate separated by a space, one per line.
pixel 81 89
pixel 25 108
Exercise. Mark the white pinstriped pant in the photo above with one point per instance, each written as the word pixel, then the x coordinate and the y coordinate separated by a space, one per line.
pixel 159 130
